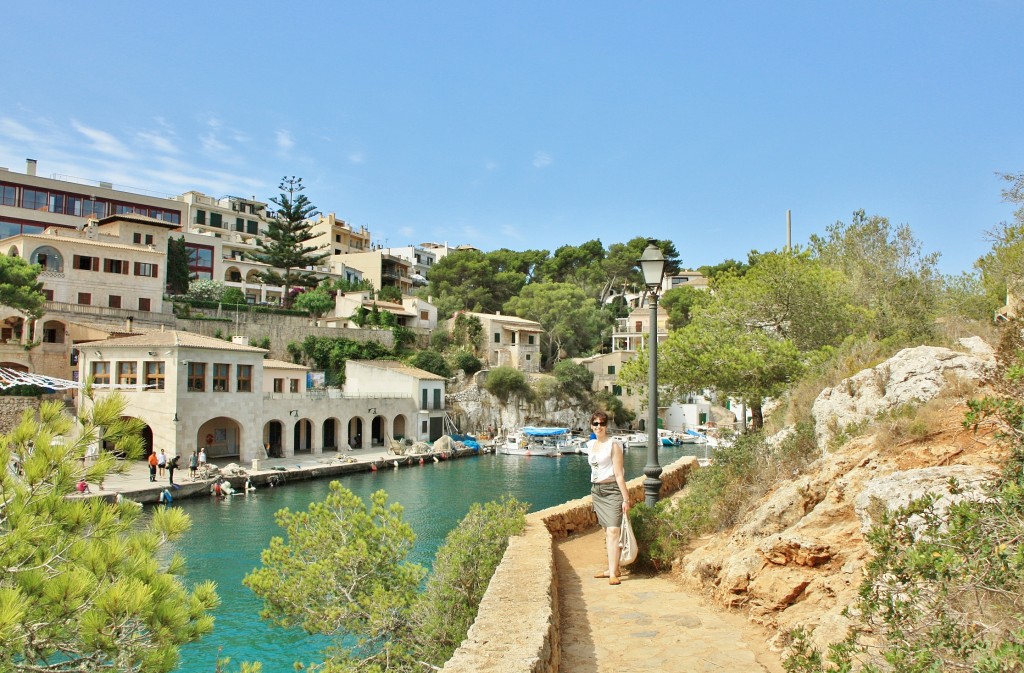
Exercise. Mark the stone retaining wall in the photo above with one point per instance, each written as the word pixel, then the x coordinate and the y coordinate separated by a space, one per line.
pixel 516 628
pixel 11 409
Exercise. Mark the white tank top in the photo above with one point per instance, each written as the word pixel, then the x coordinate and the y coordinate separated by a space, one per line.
pixel 600 459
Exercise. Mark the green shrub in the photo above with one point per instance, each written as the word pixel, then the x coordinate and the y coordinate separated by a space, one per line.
pixel 431 361
pixel 467 362
pixel 506 383
pixel 575 379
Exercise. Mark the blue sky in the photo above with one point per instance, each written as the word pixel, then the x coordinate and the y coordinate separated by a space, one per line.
pixel 538 124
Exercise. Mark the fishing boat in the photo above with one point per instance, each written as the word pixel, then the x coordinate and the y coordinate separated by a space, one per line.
pixel 531 441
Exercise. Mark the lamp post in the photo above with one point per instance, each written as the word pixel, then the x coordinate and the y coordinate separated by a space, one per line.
pixel 652 265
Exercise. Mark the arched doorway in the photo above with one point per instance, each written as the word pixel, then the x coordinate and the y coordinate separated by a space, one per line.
pixel 355 432
pixel 303 436
pixel 400 427
pixel 377 430
pixel 331 434
pixel 221 437
pixel 273 432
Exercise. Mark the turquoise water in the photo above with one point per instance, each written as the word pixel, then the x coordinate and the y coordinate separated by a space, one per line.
pixel 228 535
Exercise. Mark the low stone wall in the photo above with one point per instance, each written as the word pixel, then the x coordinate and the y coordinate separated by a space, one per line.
pixel 516 628
pixel 11 409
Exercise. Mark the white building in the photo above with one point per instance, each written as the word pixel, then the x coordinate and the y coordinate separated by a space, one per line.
pixel 193 391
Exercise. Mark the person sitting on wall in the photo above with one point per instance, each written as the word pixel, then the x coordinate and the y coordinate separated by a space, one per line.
pixel 82 487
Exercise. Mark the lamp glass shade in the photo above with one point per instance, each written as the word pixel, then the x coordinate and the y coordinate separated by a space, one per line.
pixel 652 265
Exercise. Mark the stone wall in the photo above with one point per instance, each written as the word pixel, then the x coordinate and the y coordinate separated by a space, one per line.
pixel 11 409
pixel 525 585
pixel 281 329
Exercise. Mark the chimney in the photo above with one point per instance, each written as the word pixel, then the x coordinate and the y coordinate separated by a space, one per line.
pixel 129 322
pixel 30 166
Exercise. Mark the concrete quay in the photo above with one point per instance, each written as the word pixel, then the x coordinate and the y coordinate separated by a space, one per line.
pixel 134 484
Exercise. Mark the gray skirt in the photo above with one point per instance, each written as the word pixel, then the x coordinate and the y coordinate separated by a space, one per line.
pixel 607 504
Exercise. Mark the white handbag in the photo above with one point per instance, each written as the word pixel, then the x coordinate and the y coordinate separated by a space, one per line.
pixel 628 548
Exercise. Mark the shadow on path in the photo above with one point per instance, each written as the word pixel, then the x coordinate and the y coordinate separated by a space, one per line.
pixel 647 623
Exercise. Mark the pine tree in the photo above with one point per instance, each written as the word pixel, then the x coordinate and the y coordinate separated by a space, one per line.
pixel 283 244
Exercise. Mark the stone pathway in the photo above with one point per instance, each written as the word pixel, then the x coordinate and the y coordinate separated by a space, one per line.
pixel 647 623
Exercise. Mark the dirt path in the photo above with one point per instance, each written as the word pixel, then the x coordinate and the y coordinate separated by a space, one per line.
pixel 647 623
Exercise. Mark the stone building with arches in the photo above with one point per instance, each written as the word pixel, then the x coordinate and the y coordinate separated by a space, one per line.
pixel 194 391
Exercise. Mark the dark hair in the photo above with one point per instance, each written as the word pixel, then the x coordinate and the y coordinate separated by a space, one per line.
pixel 599 416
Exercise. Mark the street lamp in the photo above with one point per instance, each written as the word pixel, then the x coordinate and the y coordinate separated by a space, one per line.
pixel 652 265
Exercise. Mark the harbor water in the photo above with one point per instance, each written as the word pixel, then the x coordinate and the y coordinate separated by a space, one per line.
pixel 228 535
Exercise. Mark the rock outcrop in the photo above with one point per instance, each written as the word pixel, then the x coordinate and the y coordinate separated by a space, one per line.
pixel 476 410
pixel 796 559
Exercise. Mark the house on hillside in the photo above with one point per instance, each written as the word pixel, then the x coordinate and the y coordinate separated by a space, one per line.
pixel 509 341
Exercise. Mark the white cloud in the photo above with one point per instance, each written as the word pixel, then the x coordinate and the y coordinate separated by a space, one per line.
pixel 356 157
pixel 211 143
pixel 156 142
pixel 14 130
pixel 490 166
pixel 284 140
pixel 542 159
pixel 102 141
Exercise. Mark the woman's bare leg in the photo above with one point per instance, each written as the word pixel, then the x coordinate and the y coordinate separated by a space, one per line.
pixel 611 539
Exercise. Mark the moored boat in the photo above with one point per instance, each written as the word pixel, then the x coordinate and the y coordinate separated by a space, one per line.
pixel 532 441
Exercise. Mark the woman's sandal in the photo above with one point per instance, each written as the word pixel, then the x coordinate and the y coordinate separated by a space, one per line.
pixel 603 575
pixel 614 581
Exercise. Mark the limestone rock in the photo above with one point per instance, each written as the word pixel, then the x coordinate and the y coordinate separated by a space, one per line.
pixel 899 488
pixel 791 549
pixel 913 375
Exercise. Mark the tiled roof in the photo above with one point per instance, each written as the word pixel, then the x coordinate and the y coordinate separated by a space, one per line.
pixel 50 239
pixel 174 338
pixel 138 219
pixel 402 368
pixel 270 363
pixel 509 319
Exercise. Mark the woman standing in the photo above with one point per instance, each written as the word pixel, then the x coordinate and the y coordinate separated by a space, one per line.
pixel 607 490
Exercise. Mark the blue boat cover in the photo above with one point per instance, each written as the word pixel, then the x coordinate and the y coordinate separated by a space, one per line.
pixel 544 432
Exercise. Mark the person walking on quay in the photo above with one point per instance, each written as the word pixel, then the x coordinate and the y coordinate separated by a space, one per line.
pixel 161 462
pixel 172 464
pixel 152 465
pixel 202 458
pixel 193 462
pixel 607 490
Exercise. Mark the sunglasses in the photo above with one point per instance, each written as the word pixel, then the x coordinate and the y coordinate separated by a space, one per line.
pixel 596 423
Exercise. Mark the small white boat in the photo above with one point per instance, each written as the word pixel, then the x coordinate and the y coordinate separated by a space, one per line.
pixel 531 441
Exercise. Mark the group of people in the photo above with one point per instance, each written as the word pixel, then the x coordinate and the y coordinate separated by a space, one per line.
pixel 160 463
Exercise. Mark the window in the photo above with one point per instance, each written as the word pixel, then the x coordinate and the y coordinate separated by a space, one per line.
pixel 513 338
pixel 57 203
pixel 196 377
pixel 497 337
pixel 611 369
pixel 424 315
pixel 137 238
pixel 437 398
pixel 84 298
pixel 530 339
pixel 127 373
pixel 48 295
pixel 221 375
pixel 200 260
pixel 244 383
pixel 86 263
pixel 239 224
pixel 216 220
pixel 115 266
pixel 155 375
pixel 97 209
pixel 8 194
pixel 73 205
pixel 144 304
pixel 101 373
pixel 278 385
pixel 48 258
pixel 149 239
pixel 33 199
pixel 527 357
pixel 616 390
pixel 252 227
pixel 145 269
pixel 423 399
pixel 114 301
pixel 200 217
pixel 293 385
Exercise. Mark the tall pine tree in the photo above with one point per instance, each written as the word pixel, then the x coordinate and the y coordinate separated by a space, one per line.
pixel 283 244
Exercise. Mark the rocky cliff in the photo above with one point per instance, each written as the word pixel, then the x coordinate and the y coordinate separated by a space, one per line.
pixel 796 559
pixel 476 410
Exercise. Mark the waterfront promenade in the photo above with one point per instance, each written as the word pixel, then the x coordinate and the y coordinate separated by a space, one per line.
pixel 648 623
